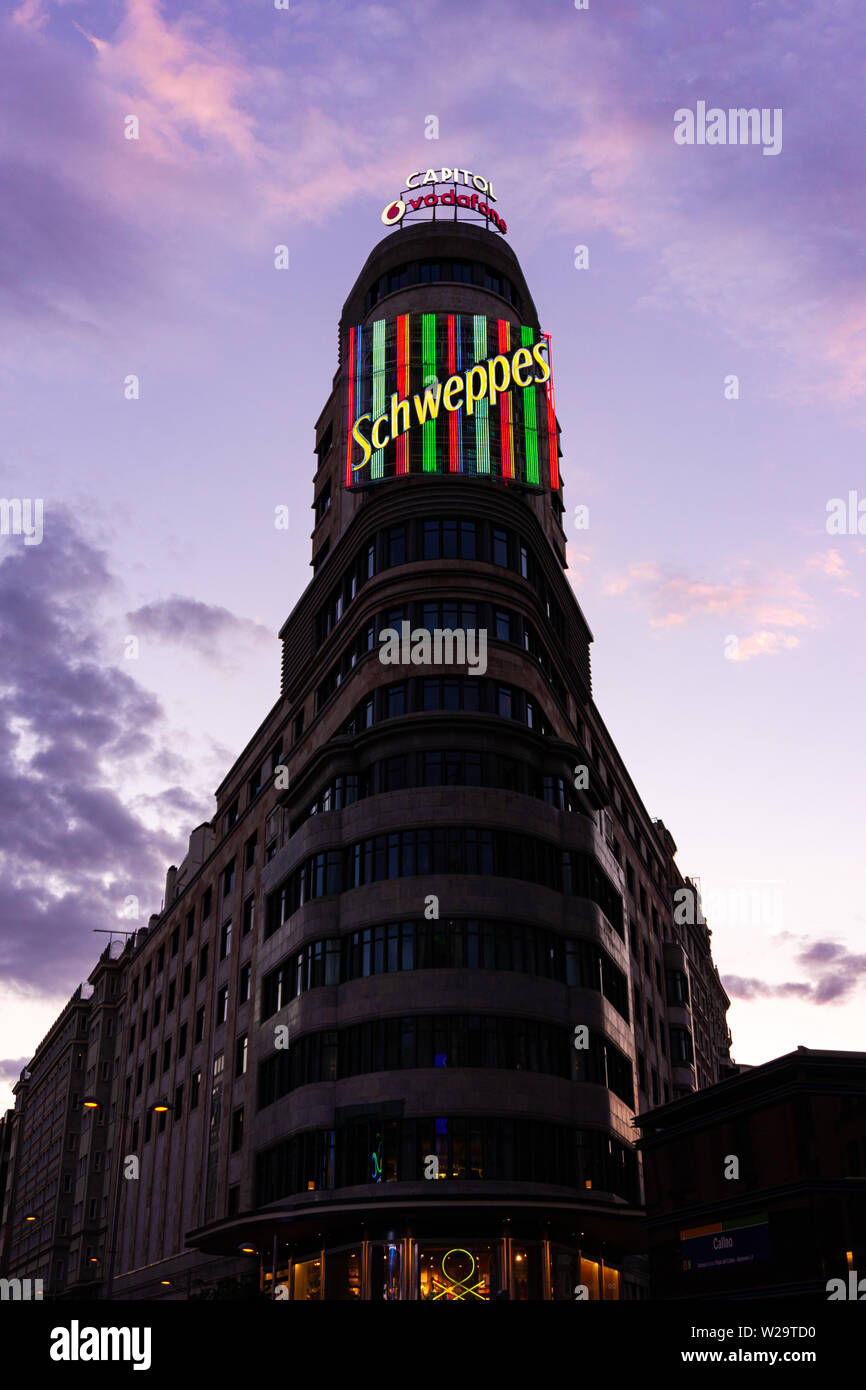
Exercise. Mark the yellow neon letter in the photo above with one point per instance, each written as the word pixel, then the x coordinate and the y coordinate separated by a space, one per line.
pixel 453 387
pixel 498 387
pixel 374 433
pixel 545 369
pixel 397 406
pixel 519 362
pixel 471 395
pixel 359 439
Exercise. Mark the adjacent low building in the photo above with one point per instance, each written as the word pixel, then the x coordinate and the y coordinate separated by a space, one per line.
pixel 756 1186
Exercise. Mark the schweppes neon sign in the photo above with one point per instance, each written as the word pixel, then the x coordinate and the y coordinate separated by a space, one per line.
pixel 475 410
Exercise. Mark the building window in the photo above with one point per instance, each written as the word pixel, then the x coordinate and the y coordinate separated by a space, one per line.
pixel 139 1081
pixel 157 1007
pixel 147 974
pixel 244 983
pixel 160 960
pixel 178 1100
pixel 241 1055
pixel 199 1025
pixel 234 1202
pixel 323 502
pixel 166 1054
pixel 195 1087
pixel 396 546
pixel 250 852
pixel 222 1005
pixel 206 904
pixel 226 939
pixel 172 991
pixel 228 878
pixel 299 724
pixel 148 1125
pixel 202 962
pixel 135 990
pixel 321 556
pixel 500 548
pixel 396 700
pixel 190 924
pixel 187 979
pixel 254 785
pixel 249 911
pixel 181 1042
pixel 151 1069
pixel 232 816
pixel 237 1128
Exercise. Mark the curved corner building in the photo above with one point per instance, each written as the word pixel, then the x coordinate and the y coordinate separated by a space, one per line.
pixel 423 966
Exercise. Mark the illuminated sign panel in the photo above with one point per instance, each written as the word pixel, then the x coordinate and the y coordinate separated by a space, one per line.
pixel 450 393
pixel 740 1240
pixel 419 196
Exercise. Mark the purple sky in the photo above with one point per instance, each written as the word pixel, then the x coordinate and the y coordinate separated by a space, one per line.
pixel 261 127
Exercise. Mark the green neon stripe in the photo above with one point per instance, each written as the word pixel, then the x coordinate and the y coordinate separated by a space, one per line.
pixel 378 459
pixel 530 423
pixel 482 427
pixel 429 462
pixel 738 1223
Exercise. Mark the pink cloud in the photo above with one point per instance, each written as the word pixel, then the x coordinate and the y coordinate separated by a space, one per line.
pixel 771 601
pixel 761 644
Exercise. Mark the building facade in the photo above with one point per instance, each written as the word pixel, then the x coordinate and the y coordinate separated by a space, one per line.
pixel 412 984
pixel 44 1134
pixel 756 1187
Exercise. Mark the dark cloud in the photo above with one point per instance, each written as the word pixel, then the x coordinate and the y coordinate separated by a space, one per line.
pixel 739 987
pixel 72 730
pixel 835 974
pixel 11 1068
pixel 190 623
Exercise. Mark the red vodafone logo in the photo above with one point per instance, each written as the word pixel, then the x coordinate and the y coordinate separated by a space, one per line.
pixel 394 212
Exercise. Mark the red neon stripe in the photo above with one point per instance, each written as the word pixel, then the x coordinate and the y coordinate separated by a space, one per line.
pixel 504 412
pixel 551 420
pixel 402 386
pixel 350 422
pixel 453 447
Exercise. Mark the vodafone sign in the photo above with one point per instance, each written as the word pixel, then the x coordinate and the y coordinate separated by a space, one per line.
pixel 479 202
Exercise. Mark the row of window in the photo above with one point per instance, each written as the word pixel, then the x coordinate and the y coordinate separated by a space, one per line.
pixel 484 1147
pixel 464 944
pixel 442 1040
pixel 443 538
pixel 256 780
pixel 446 615
pixel 471 694
pixel 453 767
pixel 444 850
pixel 434 272
pixel 221 1015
